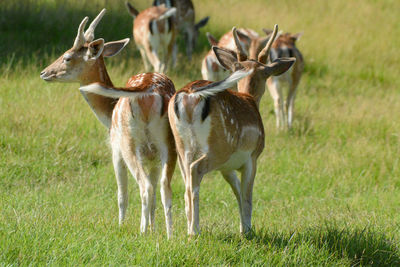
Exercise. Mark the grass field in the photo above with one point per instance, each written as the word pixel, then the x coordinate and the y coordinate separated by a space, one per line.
pixel 327 193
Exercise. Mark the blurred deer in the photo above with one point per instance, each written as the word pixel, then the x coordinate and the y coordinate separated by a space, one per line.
pixel 154 34
pixel 219 129
pixel 136 117
pixel 185 21
pixel 285 46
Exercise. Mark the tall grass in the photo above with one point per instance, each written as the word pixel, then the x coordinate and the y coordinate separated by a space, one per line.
pixel 327 193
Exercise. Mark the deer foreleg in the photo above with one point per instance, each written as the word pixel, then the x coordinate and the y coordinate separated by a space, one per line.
pixel 122 183
pixel 276 93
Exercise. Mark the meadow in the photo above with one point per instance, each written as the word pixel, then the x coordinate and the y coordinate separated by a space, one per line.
pixel 326 193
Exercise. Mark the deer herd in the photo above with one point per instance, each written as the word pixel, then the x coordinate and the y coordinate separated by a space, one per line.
pixel 205 126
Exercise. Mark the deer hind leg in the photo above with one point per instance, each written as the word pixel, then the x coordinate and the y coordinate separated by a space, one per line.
pixel 154 53
pixel 290 100
pixel 151 54
pixel 189 41
pixel 188 205
pixel 146 62
pixel 290 108
pixel 146 194
pixel 174 54
pixel 146 191
pixel 246 187
pixel 276 93
pixel 234 182
pixel 156 62
pixel 122 183
pixel 197 171
pixel 166 194
pixel 153 195
pixel 171 50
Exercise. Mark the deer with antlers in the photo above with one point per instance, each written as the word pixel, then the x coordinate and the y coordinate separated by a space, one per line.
pixel 219 129
pixel 136 117
pixel 285 46
pixel 211 69
pixel 252 45
pixel 185 21
pixel 154 33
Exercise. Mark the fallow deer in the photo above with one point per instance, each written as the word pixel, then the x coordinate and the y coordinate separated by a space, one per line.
pixel 136 116
pixel 219 129
pixel 285 46
pixel 154 34
pixel 210 68
pixel 185 21
pixel 251 42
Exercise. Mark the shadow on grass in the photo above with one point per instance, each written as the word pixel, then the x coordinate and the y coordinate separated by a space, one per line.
pixel 359 246
pixel 30 30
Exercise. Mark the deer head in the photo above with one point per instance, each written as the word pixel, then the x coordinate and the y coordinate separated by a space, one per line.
pixel 254 84
pixel 197 27
pixel 85 57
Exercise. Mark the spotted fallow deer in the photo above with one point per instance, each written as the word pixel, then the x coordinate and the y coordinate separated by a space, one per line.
pixel 251 42
pixel 154 34
pixel 136 116
pixel 285 46
pixel 185 21
pixel 219 129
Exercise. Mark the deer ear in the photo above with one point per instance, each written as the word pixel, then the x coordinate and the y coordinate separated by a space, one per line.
pixel 262 42
pixel 267 31
pixel 279 66
pixel 132 11
pixel 295 37
pixel 201 23
pixel 211 39
pixel 227 58
pixel 244 38
pixel 95 49
pixel 113 48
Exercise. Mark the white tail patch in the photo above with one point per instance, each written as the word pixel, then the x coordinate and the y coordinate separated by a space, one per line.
pixel 220 86
pixel 100 89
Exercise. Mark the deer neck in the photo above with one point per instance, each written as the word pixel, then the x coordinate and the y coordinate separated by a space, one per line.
pixel 97 73
pixel 101 106
pixel 253 87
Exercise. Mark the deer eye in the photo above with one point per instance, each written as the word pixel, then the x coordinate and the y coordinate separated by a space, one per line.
pixel 67 58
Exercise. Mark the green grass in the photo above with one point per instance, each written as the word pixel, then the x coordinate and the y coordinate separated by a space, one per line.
pixel 327 193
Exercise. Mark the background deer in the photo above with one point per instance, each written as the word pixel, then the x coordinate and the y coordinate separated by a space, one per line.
pixel 285 46
pixel 154 34
pixel 219 129
pixel 136 116
pixel 252 45
pixel 211 69
pixel 185 21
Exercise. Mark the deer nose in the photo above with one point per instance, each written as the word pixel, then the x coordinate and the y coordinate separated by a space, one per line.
pixel 45 75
